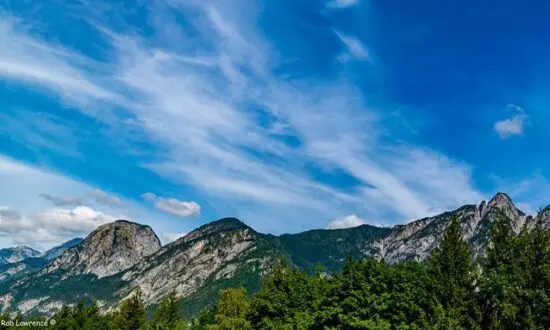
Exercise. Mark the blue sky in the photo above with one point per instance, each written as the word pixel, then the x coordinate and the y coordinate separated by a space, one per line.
pixel 291 115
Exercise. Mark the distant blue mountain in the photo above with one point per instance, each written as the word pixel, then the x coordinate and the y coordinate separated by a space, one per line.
pixel 19 261
pixel 59 249
pixel 16 254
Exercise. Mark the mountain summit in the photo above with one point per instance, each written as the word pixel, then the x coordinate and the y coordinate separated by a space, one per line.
pixel 109 249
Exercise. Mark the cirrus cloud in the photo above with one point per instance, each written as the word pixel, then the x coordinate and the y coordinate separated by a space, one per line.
pixel 101 197
pixel 190 94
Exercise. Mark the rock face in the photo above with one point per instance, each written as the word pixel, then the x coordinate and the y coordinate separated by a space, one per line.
pixel 19 269
pixel 215 255
pixel 108 250
pixel 119 257
pixel 16 254
pixel 212 252
pixel 416 240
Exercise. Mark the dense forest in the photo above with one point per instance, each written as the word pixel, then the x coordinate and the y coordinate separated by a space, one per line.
pixel 508 289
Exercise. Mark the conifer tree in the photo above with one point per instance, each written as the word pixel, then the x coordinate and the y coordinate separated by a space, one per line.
pixel 131 315
pixel 498 292
pixel 168 316
pixel 453 276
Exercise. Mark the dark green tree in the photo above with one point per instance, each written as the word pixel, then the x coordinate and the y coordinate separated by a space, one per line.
pixel 131 315
pixel 206 317
pixel 168 315
pixel 64 319
pixel 453 276
pixel 498 292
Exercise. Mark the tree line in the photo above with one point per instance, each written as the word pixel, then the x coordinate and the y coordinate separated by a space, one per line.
pixel 508 289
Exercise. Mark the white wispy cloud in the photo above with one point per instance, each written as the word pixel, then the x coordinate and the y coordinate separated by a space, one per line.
pixel 35 61
pixel 173 206
pixel 95 196
pixel 102 197
pixel 189 96
pixel 512 126
pixel 342 3
pixel 355 49
pixel 39 130
pixel 63 201
pixel 349 221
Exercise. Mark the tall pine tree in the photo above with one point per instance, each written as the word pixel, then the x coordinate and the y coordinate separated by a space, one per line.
pixel 131 315
pixel 498 290
pixel 453 276
pixel 168 315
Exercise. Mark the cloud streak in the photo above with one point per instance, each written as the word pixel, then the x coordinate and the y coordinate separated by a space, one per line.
pixel 63 201
pixel 173 206
pixel 355 49
pixel 339 4
pixel 101 197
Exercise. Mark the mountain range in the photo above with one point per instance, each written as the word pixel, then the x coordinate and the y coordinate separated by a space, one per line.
pixel 110 263
pixel 19 260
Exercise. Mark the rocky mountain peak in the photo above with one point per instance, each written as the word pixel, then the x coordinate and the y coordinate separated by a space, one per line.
pixel 501 200
pixel 218 226
pixel 215 251
pixel 502 203
pixel 109 249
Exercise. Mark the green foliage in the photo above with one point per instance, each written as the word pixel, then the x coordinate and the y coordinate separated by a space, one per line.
pixel 82 316
pixel 369 294
pixel 288 296
pixel 515 289
pixel 231 311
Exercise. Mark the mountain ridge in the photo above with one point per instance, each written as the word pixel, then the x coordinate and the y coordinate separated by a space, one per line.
pixel 227 252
